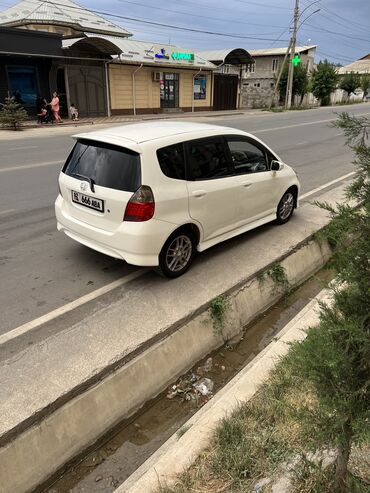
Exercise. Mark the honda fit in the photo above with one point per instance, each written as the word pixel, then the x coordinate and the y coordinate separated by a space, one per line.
pixel 153 194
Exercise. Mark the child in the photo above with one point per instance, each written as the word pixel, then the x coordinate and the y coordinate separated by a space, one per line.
pixel 41 116
pixel 73 112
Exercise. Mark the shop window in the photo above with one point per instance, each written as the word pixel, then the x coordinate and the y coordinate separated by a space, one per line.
pixel 200 87
pixel 23 84
pixel 275 64
pixel 251 68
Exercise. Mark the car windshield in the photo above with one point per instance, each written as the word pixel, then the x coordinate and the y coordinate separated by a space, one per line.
pixel 106 165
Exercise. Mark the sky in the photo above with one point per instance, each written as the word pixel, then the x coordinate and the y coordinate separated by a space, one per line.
pixel 341 28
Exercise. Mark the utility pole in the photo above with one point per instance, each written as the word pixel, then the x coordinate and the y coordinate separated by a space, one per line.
pixel 288 97
pixel 276 86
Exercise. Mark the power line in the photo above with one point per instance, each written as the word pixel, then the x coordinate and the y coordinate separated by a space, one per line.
pixel 329 18
pixel 199 16
pixel 259 4
pixel 319 28
pixel 171 26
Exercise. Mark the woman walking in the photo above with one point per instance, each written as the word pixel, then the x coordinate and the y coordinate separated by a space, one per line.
pixel 55 107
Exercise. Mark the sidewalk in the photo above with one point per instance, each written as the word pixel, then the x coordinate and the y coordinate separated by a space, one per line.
pixel 114 120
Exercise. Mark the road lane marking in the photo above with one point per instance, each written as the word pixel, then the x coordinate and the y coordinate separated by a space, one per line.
pixel 302 143
pixel 326 185
pixel 37 322
pixel 28 166
pixel 21 148
pixel 299 124
pixel 7 211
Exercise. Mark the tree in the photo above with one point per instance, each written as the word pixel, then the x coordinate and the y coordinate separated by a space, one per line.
pixel 324 81
pixel 12 114
pixel 365 84
pixel 350 82
pixel 300 81
pixel 335 357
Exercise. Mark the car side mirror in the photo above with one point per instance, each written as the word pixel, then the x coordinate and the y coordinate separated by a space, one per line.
pixel 276 165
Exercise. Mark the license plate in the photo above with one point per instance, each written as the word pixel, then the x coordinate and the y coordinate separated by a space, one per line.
pixel 87 201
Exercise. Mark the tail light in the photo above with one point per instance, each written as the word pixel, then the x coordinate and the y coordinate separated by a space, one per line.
pixel 141 205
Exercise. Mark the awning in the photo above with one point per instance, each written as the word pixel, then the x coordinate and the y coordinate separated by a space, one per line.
pixel 237 56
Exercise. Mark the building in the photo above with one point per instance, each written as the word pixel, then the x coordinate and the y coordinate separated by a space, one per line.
pixel 94 65
pixel 79 76
pixel 149 77
pixel 259 77
pixel 361 66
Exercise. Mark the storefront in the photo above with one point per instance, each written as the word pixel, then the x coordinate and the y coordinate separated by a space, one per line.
pixel 152 78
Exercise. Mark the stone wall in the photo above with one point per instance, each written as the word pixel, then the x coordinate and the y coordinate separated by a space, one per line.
pixel 256 93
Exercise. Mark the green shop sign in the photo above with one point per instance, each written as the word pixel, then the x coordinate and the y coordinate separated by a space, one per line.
pixel 178 55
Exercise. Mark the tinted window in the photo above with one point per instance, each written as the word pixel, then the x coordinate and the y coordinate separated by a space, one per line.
pixel 109 166
pixel 171 160
pixel 246 157
pixel 207 159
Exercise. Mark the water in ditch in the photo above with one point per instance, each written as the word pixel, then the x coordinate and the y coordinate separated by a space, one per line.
pixel 126 447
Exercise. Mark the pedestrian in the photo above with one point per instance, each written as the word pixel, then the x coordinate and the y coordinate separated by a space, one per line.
pixel 73 111
pixel 55 107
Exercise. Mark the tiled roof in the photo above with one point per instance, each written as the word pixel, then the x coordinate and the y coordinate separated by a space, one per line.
pixel 62 13
pixel 360 66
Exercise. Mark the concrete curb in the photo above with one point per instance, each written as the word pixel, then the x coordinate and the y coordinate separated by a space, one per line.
pixel 83 419
pixel 177 454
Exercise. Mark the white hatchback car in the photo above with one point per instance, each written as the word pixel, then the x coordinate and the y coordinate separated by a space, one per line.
pixel 154 193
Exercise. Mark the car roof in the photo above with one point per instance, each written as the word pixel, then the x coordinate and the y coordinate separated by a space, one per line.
pixel 153 130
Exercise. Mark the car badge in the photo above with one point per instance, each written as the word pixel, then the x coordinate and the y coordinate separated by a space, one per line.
pixel 83 186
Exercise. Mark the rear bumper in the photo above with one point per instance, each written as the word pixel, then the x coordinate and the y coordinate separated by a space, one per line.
pixel 136 243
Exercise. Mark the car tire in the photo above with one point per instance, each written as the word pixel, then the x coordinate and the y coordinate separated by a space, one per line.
pixel 285 207
pixel 177 254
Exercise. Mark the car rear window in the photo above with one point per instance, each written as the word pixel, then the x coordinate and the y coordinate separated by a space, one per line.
pixel 109 166
pixel 172 162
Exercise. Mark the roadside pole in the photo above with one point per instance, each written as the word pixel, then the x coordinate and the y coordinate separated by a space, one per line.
pixel 274 93
pixel 288 97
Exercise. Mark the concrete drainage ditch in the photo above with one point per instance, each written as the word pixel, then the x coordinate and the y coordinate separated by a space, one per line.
pixel 129 444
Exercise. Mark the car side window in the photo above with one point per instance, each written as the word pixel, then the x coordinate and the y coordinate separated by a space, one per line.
pixel 207 159
pixel 171 161
pixel 247 157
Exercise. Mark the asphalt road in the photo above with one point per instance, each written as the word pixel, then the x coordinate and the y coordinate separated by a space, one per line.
pixel 41 269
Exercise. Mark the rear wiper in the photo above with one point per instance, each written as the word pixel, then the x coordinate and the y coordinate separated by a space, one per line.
pixel 87 178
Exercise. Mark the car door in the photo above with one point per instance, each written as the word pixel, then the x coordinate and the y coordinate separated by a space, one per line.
pixel 212 186
pixel 257 193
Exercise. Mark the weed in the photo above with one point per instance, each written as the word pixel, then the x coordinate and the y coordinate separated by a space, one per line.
pixel 218 309
pixel 182 431
pixel 260 277
pixel 278 275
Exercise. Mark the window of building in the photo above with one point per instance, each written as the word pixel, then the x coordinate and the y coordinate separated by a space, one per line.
pixel 23 84
pixel 200 87
pixel 257 84
pixel 207 159
pixel 251 68
pixel 247 157
pixel 171 160
pixel 275 64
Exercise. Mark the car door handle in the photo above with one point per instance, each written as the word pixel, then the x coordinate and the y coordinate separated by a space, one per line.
pixel 246 184
pixel 199 193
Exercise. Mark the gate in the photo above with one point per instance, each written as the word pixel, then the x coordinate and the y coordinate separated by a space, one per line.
pixel 87 90
pixel 225 92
